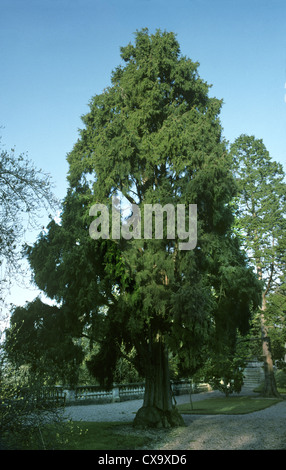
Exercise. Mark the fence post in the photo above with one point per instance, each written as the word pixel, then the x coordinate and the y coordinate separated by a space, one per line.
pixel 115 394
pixel 70 394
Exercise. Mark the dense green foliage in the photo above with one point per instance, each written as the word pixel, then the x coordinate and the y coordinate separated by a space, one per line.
pixel 153 136
pixel 261 224
pixel 261 208
pixel 26 408
pixel 38 338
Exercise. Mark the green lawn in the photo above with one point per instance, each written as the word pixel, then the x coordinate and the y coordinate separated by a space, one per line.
pixel 104 436
pixel 227 406
pixel 83 435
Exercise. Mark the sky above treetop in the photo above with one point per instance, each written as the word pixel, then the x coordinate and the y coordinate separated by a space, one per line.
pixel 57 54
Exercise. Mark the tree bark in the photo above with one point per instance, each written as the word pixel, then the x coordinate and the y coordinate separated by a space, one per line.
pixel 157 410
pixel 270 388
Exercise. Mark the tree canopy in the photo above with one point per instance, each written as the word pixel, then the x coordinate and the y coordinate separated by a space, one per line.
pixel 24 192
pixel 261 224
pixel 153 137
pixel 38 339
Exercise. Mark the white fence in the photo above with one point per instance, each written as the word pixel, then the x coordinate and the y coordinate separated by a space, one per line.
pixel 119 392
pixel 133 391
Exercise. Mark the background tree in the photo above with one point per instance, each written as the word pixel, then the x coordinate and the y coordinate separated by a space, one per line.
pixel 261 223
pixel 29 417
pixel 276 316
pixel 224 372
pixel 153 136
pixel 24 192
pixel 37 338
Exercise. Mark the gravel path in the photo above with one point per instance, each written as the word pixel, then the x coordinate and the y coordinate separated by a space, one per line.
pixel 261 430
pixel 123 411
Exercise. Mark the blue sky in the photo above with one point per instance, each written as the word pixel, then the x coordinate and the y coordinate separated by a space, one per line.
pixel 57 54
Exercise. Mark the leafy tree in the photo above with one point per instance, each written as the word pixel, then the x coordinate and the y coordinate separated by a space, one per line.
pixel 37 338
pixel 26 409
pixel 153 136
pixel 24 191
pixel 225 373
pixel 276 311
pixel 261 224
pixel 224 367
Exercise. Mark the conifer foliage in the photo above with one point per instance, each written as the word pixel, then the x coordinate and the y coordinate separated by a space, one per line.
pixel 261 224
pixel 152 136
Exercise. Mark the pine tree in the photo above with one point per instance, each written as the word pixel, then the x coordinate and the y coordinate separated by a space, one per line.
pixel 152 137
pixel 261 210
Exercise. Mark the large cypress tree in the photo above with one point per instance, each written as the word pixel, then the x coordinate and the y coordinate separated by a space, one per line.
pixel 153 136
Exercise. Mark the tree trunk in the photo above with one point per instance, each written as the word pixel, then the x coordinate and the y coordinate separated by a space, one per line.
pixel 157 410
pixel 270 388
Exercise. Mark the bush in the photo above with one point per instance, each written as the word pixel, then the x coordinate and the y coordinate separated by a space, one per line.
pixel 25 410
pixel 224 374
pixel 280 377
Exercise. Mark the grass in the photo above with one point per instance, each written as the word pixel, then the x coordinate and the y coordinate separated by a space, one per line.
pixel 227 406
pixel 83 435
pixel 104 436
pixel 281 390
